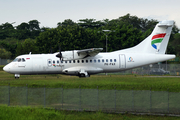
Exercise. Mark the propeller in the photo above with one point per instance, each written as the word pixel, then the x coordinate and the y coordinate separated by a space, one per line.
pixel 59 55
pixel 51 50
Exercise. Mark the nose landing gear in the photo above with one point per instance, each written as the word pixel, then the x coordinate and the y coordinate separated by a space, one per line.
pixel 17 76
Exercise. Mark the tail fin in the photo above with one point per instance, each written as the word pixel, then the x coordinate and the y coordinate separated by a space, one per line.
pixel 157 41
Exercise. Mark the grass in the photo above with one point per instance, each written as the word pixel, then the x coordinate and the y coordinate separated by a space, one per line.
pixel 1 67
pixel 121 82
pixel 28 113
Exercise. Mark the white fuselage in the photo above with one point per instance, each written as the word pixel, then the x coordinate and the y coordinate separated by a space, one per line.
pixel 101 63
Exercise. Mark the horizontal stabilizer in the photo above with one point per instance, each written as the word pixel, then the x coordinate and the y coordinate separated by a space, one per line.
pixel 166 24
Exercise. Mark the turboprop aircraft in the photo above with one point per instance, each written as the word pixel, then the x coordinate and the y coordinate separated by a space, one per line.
pixel 84 63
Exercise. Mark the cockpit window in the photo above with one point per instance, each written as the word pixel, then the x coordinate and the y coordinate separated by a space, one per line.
pixel 15 60
pixel 19 59
pixel 23 60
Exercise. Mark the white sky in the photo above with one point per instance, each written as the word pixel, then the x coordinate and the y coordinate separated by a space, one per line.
pixel 50 12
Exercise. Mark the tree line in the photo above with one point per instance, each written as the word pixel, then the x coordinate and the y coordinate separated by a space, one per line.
pixel 126 31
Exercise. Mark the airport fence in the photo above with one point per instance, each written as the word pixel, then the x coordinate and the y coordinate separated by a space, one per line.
pixel 115 101
pixel 4 61
pixel 155 69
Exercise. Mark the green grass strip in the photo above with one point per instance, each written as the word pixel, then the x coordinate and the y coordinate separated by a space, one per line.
pixel 28 113
pixel 121 82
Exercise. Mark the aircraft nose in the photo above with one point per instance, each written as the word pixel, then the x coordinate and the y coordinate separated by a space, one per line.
pixel 6 68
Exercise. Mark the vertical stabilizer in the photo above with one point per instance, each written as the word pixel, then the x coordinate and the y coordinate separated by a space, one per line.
pixel 167 26
pixel 156 42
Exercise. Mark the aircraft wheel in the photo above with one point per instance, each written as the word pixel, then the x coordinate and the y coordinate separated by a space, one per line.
pixel 17 76
pixel 82 75
pixel 88 75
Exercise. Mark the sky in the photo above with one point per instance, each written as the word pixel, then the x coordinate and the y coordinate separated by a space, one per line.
pixel 50 12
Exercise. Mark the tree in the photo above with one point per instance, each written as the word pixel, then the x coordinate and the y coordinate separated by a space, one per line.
pixel 10 45
pixel 129 31
pixel 34 28
pixel 48 39
pixel 90 23
pixel 174 46
pixel 23 31
pixel 23 26
pixel 6 26
pixel 6 30
pixel 67 22
pixel 28 30
pixel 4 54
pixel 29 45
pixel 34 25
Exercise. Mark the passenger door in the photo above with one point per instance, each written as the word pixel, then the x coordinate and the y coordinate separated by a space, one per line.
pixel 122 61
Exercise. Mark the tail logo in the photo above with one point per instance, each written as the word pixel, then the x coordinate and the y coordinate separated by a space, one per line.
pixel 157 39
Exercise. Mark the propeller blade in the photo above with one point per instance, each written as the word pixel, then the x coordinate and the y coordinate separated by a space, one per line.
pixel 51 50
pixel 59 55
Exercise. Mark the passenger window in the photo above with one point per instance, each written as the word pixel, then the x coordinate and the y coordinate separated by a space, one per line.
pixel 74 61
pixel 99 61
pixel 90 61
pixel 106 60
pixel 114 60
pixel 19 60
pixel 53 61
pixel 82 61
pixel 77 61
pixel 61 61
pixel 57 61
pixel 49 62
pixel 102 60
pixel 110 60
pixel 70 61
pixel 23 60
pixel 95 61
pixel 65 61
pixel 86 61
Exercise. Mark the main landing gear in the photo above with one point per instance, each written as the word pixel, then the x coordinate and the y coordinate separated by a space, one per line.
pixel 83 73
pixel 17 76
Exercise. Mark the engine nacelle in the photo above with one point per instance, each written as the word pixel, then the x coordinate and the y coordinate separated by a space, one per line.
pixel 78 54
pixel 72 55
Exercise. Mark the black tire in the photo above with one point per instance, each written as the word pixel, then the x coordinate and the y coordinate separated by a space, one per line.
pixel 81 75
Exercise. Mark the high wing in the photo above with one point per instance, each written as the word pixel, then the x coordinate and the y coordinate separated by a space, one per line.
pixel 78 54
pixel 89 52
